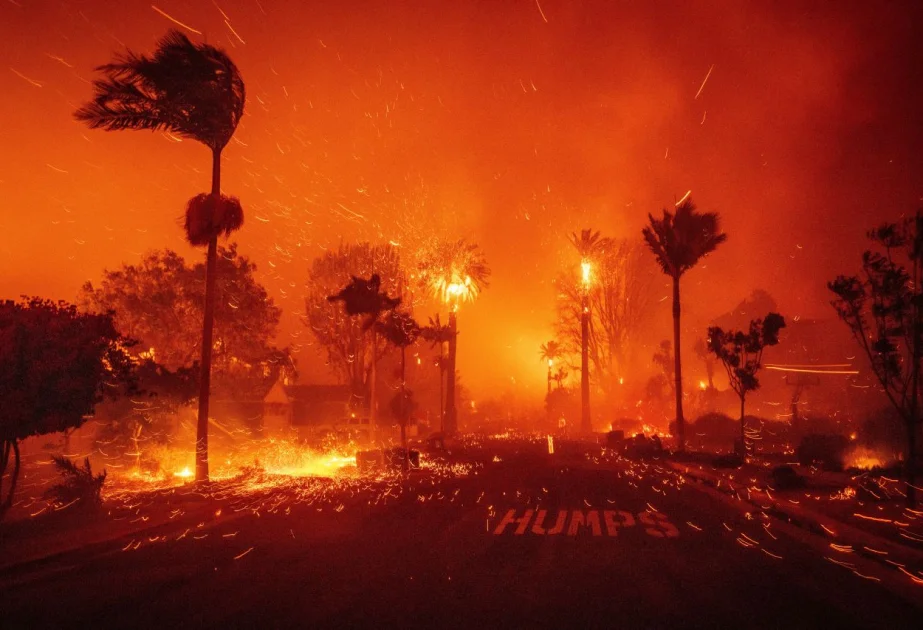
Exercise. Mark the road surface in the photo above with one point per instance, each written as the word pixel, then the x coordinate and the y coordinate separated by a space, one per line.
pixel 526 539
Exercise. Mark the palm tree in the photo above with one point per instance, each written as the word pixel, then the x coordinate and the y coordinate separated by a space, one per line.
pixel 454 272
pixel 194 91
pixel 549 352
pixel 401 330
pixel 439 335
pixel 679 241
pixel 589 245
pixel 364 297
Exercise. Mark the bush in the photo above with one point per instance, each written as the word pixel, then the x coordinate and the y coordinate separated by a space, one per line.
pixel 79 484
pixel 826 450
pixel 713 431
pixel 786 478
pixel 728 461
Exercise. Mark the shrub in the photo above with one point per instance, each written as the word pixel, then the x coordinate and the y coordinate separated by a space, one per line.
pixel 713 431
pixel 728 461
pixel 826 450
pixel 79 484
pixel 786 478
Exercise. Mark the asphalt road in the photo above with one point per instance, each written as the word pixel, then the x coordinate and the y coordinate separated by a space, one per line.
pixel 531 540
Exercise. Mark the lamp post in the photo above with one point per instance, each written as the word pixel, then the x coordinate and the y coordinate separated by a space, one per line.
pixel 586 426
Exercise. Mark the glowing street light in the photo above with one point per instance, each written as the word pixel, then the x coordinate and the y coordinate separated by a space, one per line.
pixel 586 278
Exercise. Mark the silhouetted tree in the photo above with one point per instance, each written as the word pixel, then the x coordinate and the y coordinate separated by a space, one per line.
pixel 664 359
pixel 364 297
pixel 194 91
pixel 883 307
pixel 160 301
pixel 56 364
pixel 439 336
pixel 401 330
pixel 549 353
pixel 741 354
pixel 701 351
pixel 454 272
pixel 678 242
pixel 351 346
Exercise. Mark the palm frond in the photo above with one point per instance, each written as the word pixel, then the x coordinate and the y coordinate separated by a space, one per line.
pixel 192 90
pixel 678 241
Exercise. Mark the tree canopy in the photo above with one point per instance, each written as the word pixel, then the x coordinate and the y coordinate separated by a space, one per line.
pixel 346 340
pixel 56 364
pixel 883 307
pixel 160 300
pixel 192 90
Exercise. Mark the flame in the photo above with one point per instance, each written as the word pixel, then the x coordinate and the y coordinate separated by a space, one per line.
pixel 585 268
pixel 866 459
pixel 185 473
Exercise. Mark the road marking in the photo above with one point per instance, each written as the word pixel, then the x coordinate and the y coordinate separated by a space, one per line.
pixel 655 524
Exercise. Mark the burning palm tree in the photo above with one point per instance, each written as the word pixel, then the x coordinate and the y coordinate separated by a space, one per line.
pixel 679 241
pixel 454 272
pixel 590 245
pixel 194 91
pixel 550 352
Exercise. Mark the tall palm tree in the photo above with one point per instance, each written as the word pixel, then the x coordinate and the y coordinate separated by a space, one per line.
pixel 439 335
pixel 590 245
pixel 678 242
pixel 194 91
pixel 549 352
pixel 454 272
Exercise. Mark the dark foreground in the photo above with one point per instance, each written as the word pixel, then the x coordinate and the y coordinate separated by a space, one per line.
pixel 636 548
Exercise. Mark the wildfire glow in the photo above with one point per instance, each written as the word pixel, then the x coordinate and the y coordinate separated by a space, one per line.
pixel 867 459
pixel 585 268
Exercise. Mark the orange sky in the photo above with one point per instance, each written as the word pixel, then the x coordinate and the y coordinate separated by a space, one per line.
pixel 484 120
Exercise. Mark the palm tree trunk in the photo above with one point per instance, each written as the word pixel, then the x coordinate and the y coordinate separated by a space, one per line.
pixel 402 410
pixel 211 271
pixel 373 407
pixel 585 423
pixel 451 419
pixel 677 369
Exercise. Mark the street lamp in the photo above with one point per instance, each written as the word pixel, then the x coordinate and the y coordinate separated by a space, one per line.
pixel 586 425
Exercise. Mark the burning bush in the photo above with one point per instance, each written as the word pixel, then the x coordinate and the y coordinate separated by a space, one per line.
pixel 79 483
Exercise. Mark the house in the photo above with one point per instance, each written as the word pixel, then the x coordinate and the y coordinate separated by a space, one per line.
pixel 307 407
